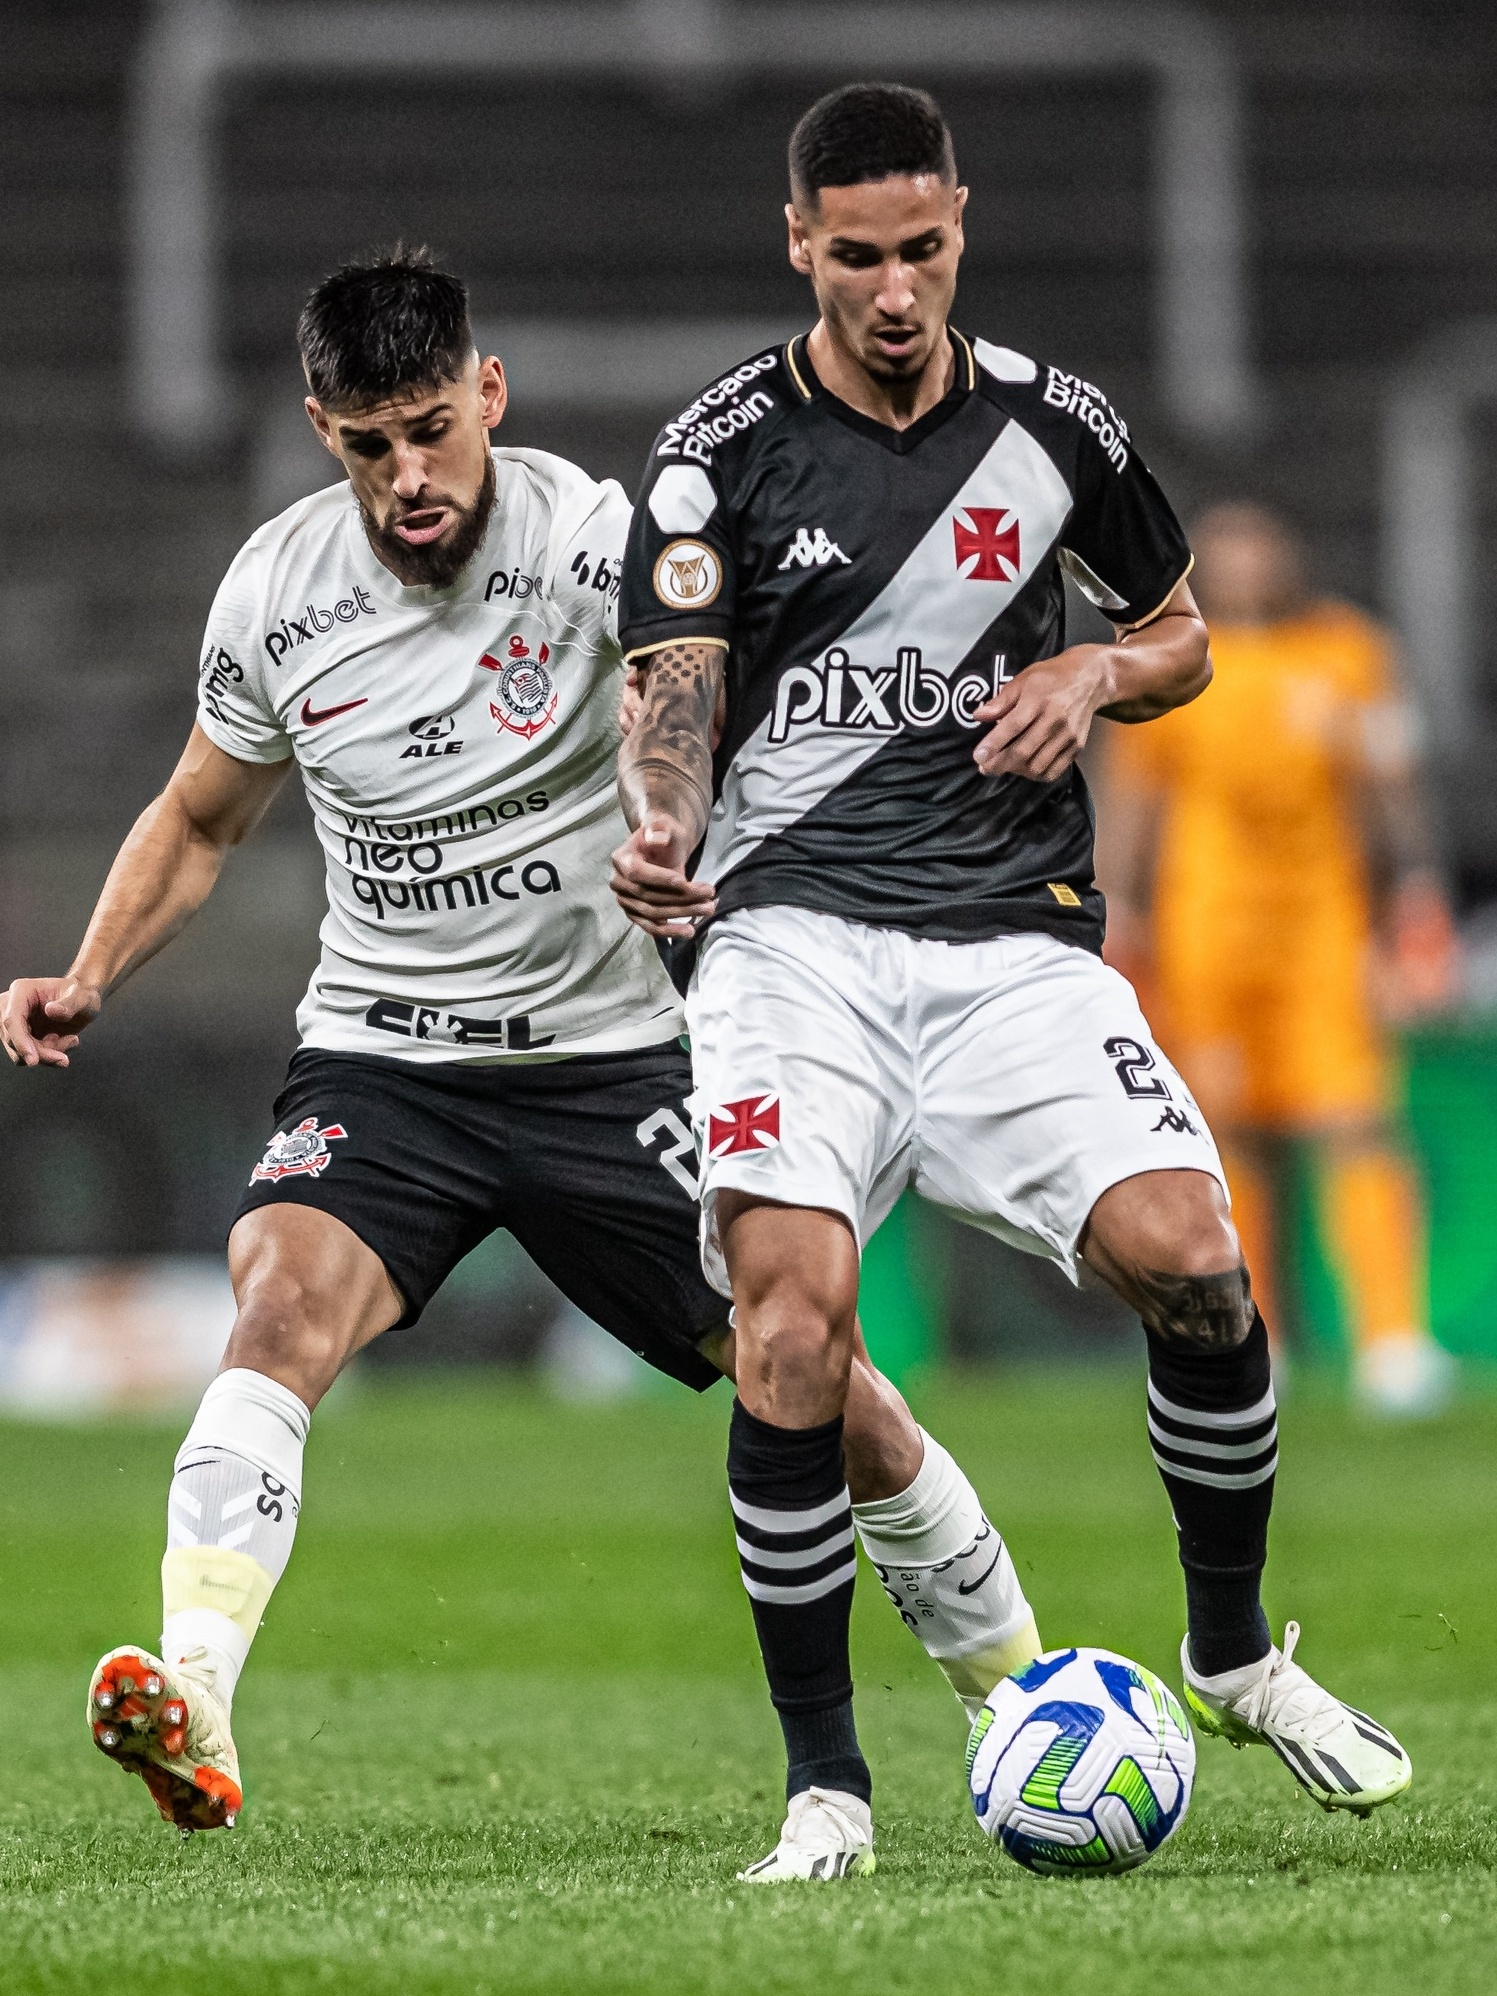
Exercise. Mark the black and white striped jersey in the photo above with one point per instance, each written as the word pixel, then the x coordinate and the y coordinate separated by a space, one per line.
pixel 874 586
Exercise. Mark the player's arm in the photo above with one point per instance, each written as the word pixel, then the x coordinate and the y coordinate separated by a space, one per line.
pixel 665 787
pixel 161 876
pixel 1130 802
pixel 1422 964
pixel 1042 718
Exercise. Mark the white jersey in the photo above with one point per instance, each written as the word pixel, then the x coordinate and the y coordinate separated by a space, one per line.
pixel 458 750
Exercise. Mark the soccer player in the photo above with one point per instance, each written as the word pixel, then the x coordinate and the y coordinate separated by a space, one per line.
pixel 486 1041
pixel 1262 845
pixel 848 555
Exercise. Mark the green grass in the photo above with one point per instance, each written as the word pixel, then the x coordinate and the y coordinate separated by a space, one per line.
pixel 505 1730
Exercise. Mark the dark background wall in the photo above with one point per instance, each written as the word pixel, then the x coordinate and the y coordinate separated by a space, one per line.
pixel 1372 143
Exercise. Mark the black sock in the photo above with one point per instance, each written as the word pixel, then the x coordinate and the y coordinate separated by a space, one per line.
pixel 793 1519
pixel 1214 1434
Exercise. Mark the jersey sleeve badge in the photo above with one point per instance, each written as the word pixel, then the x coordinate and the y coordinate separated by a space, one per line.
pixel 688 575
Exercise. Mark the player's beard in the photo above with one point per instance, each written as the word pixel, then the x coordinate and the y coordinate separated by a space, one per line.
pixel 439 564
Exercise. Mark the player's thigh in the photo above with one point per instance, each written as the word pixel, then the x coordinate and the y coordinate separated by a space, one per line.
pixel 1042 1086
pixel 609 1210
pixel 393 1151
pixel 802 1078
pixel 309 1294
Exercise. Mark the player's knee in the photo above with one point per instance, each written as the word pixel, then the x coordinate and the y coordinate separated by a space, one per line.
pixel 1172 1247
pixel 285 1323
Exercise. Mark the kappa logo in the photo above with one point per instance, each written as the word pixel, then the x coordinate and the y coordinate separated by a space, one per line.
pixel 991 534
pixel 688 575
pixel 527 692
pixel 749 1125
pixel 302 1152
pixel 812 551
pixel 1176 1122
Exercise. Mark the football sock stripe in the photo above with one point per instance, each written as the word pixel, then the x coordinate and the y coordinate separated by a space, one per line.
pixel 1213 1433
pixel 793 1529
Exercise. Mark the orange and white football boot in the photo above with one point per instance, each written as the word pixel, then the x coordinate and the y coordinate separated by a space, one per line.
pixel 168 1724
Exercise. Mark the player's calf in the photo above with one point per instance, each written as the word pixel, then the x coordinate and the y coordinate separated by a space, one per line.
pixel 950 1576
pixel 231 1520
pixel 1165 1243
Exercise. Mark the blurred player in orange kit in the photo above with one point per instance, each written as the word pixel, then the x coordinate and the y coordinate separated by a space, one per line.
pixel 1272 886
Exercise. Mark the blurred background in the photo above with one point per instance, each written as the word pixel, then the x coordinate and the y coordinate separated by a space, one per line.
pixel 1270 233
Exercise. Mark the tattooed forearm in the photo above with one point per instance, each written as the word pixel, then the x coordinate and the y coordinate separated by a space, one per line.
pixel 1212 1312
pixel 665 763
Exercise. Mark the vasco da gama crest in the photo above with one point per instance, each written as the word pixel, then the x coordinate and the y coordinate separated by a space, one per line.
pixel 527 692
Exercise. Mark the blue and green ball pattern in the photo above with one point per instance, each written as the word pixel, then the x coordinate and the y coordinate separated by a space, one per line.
pixel 1081 1762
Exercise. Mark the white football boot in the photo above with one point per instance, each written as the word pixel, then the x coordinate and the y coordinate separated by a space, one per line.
pixel 167 1723
pixel 827 1834
pixel 1407 1376
pixel 1344 1759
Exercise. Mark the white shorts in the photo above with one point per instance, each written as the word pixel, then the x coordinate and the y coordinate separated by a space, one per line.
pixel 1010 1081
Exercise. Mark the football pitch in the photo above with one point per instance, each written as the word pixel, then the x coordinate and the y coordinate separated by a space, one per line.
pixel 505 1728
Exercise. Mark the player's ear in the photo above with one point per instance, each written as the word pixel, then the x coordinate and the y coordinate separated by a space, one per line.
pixel 317 417
pixel 958 208
pixel 493 391
pixel 800 255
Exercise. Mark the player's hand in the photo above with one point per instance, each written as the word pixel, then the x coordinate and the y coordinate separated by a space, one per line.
pixel 1043 716
pixel 1420 969
pixel 650 883
pixel 41 1018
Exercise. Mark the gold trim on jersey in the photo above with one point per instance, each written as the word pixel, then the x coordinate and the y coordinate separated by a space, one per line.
pixel 791 368
pixel 1160 608
pixel 962 341
pixel 644 651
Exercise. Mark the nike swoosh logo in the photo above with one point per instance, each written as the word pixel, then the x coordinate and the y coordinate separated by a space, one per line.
pixel 311 719
pixel 971 1586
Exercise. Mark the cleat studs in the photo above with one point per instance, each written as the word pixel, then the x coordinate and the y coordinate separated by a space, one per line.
pixel 230 1820
pixel 125 1686
pixel 109 1739
pixel 175 1714
pixel 153 1687
pixel 104 1699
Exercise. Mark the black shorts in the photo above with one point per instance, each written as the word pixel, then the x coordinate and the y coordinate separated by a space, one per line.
pixel 588 1162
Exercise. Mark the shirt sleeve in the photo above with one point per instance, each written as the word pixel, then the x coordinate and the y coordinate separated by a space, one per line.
pixel 1122 546
pixel 679 570
pixel 589 564
pixel 234 711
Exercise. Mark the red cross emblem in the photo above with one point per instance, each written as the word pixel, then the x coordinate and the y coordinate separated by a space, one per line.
pixel 752 1124
pixel 996 548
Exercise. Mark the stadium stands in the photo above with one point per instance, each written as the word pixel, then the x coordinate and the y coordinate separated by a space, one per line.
pixel 1369 230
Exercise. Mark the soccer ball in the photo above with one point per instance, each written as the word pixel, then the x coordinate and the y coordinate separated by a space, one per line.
pixel 1081 1762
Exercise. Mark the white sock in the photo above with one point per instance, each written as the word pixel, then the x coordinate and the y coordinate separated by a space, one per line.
pixel 950 1576
pixel 231 1520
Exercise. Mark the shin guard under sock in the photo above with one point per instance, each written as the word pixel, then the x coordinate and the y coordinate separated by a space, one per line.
pixel 231 1520
pixel 1214 1433
pixel 793 1522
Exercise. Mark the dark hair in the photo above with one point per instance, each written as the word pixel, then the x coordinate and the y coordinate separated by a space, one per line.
pixel 372 329
pixel 868 131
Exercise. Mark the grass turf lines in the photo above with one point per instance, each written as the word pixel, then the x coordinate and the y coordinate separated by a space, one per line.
pixel 505 1729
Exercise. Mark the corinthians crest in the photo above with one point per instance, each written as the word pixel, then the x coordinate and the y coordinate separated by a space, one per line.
pixel 527 692
pixel 302 1151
